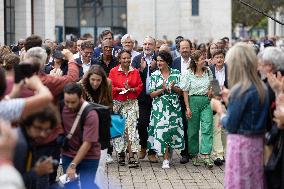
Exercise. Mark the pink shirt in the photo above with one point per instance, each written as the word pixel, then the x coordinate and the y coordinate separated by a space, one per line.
pixel 90 134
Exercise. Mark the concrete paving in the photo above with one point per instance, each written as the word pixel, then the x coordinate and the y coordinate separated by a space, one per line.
pixel 152 176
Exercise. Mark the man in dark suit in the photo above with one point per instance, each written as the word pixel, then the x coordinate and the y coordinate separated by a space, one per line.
pixel 106 35
pixel 146 64
pixel 182 63
pixel 107 60
pixel 85 60
pixel 219 71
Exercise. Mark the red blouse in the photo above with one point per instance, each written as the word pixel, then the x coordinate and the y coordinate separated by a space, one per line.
pixel 119 78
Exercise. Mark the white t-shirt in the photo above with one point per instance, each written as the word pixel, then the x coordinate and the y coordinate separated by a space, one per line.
pixel 10 178
pixel 11 110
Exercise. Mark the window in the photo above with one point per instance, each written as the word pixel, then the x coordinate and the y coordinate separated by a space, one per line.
pixel 92 16
pixel 195 8
pixel 9 22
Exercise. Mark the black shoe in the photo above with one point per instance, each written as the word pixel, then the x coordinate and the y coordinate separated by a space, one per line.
pixel 218 162
pixel 184 160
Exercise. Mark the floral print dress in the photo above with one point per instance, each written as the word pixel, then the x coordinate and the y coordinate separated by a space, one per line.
pixel 165 126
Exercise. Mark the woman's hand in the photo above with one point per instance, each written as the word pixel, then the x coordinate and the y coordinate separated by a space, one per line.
pixel 188 113
pixel 216 105
pixel 165 88
pixel 279 117
pixel 225 94
pixel 276 82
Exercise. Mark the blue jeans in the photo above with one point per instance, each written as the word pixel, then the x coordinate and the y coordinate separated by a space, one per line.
pixel 86 169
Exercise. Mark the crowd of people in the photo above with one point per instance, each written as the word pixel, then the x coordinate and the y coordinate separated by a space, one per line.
pixel 214 103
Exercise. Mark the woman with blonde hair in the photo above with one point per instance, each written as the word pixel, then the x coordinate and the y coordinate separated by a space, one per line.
pixel 245 120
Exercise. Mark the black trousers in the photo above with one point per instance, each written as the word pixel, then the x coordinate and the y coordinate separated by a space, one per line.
pixel 184 122
pixel 145 107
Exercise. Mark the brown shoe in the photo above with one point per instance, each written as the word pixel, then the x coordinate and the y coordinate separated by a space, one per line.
pixel 142 153
pixel 152 158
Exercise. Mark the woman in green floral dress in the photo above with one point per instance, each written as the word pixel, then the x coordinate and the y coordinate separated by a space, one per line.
pixel 165 129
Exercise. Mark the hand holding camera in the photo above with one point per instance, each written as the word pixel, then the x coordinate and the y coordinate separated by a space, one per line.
pixel 45 165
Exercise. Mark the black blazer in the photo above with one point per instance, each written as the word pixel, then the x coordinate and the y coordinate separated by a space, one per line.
pixel 176 64
pixel 136 64
pixel 212 68
pixel 78 60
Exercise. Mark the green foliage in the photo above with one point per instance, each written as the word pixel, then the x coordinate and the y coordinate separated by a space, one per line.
pixel 249 17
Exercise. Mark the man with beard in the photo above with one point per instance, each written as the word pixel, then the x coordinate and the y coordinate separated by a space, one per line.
pixel 28 154
pixel 146 64
pixel 182 63
pixel 83 152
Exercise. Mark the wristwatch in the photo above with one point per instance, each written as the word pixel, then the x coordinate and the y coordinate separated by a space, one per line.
pixel 72 165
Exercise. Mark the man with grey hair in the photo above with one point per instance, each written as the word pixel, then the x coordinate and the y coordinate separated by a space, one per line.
pixel 146 64
pixel 37 56
pixel 272 59
pixel 128 42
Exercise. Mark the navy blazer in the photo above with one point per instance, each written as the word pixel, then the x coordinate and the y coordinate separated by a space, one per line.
pixel 78 60
pixel 136 64
pixel 212 68
pixel 176 64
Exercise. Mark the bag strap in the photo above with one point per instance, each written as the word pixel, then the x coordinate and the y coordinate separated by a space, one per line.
pixel 75 124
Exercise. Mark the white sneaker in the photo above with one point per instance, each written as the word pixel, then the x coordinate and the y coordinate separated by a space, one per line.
pixel 166 164
pixel 109 159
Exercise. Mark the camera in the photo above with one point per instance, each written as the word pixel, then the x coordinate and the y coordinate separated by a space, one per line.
pixel 24 70
pixel 62 141
pixel 54 162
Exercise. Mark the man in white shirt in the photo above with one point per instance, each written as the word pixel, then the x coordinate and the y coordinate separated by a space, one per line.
pixel 182 63
pixel 127 42
pixel 219 71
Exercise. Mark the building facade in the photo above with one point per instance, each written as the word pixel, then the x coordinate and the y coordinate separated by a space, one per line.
pixel 276 29
pixel 60 19
pixel 194 19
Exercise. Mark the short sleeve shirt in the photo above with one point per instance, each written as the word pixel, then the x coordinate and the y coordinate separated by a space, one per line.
pixel 196 85
pixel 90 134
pixel 11 110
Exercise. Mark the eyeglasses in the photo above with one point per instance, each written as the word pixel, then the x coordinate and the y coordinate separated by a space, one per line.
pixel 107 48
pixel 89 53
pixel 41 130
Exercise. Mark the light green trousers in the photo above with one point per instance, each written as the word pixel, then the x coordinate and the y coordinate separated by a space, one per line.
pixel 202 119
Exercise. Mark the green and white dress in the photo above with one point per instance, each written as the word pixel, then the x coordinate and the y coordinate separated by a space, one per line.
pixel 165 126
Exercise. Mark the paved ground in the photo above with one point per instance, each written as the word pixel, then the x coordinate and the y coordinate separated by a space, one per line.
pixel 152 176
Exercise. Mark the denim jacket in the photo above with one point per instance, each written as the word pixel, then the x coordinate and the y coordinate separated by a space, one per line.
pixel 245 114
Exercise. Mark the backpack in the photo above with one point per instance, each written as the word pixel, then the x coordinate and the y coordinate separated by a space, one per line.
pixel 104 121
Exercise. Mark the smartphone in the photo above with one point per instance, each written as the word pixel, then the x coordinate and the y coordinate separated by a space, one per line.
pixel 23 70
pixel 215 87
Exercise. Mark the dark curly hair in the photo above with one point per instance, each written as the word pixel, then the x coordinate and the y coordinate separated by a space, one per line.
pixel 167 57
pixel 48 113
pixel 103 94
pixel 87 44
pixel 121 52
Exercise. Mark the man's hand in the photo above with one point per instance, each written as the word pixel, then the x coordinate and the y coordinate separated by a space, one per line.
pixel 153 64
pixel 68 55
pixel 71 173
pixel 44 167
pixel 143 64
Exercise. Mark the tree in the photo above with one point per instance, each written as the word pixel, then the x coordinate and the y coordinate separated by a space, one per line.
pixel 249 17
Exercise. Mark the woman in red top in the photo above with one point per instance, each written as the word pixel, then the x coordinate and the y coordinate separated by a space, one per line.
pixel 126 86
